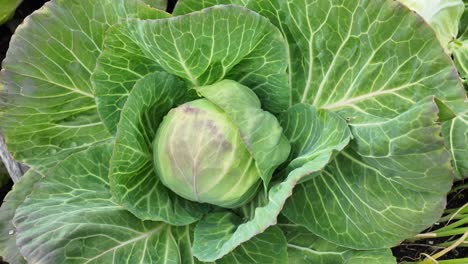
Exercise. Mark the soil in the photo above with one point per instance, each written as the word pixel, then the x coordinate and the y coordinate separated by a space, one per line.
pixel 407 251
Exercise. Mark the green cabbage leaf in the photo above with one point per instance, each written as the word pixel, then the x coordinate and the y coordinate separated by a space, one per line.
pixel 351 113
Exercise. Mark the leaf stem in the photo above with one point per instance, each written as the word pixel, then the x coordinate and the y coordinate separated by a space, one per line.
pixel 456 231
pixel 460 187
pixel 452 226
pixel 433 258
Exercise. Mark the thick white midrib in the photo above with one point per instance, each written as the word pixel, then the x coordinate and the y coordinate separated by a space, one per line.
pixel 353 100
pixel 463 66
pixel 334 61
pixel 72 89
pixel 190 244
pixel 80 126
pixel 311 51
pixel 288 52
pixel 143 236
pixel 452 125
pixel 166 249
pixel 193 80
pixel 316 252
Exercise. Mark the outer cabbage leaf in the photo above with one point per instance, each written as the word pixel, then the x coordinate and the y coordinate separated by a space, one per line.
pixel 345 59
pixel 8 249
pixel 219 233
pixel 459 47
pixel 70 217
pixel 259 129
pixel 133 180
pixel 358 72
pixel 8 9
pixel 51 110
pixel 443 16
pixel 306 248
pixel 368 61
pixel 203 48
pixel 389 185
pixel 455 132
pixel 210 234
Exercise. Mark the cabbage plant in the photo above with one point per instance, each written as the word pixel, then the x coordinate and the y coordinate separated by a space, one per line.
pixel 231 131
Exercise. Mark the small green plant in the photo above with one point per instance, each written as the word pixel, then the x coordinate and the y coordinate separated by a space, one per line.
pixel 453 228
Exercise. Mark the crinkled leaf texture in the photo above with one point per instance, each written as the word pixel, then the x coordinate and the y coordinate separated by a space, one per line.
pixel 459 50
pixel 202 48
pixel 371 62
pixel 446 18
pixel 315 136
pixel 455 132
pixel 389 185
pixel 305 248
pixel 348 62
pixel 71 217
pixel 133 179
pixel 8 249
pixel 51 110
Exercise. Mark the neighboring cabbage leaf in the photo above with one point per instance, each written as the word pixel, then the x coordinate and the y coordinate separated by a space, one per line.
pixel 201 48
pixel 51 110
pixel 443 16
pixel 306 248
pixel 70 217
pixel 7 9
pixel 463 32
pixel 133 180
pixel 315 136
pixel 8 249
pixel 455 132
pixel 459 50
pixel 389 185
pixel 446 19
pixel 459 47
